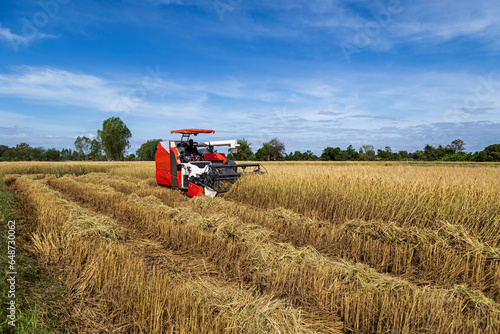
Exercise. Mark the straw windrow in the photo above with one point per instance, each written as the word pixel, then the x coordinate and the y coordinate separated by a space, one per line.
pixel 308 247
pixel 111 289
pixel 303 275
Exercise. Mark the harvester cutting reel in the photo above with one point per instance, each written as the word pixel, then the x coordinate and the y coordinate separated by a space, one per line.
pixel 216 179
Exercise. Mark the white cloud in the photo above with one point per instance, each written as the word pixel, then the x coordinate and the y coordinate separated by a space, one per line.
pixel 438 31
pixel 61 87
pixel 16 40
pixel 384 24
pixel 434 22
pixel 7 35
pixel 261 106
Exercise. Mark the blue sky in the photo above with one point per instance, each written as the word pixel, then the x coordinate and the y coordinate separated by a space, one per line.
pixel 311 73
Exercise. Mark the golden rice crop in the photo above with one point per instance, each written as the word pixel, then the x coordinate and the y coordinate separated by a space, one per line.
pixel 309 247
pixel 304 275
pixel 112 290
pixel 142 170
pixel 445 256
pixel 407 195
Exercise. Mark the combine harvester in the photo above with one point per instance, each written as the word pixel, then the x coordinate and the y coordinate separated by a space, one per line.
pixel 208 173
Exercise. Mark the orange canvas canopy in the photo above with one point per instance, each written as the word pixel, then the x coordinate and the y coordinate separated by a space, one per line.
pixel 192 131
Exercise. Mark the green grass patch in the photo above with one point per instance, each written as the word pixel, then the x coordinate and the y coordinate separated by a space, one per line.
pixel 38 294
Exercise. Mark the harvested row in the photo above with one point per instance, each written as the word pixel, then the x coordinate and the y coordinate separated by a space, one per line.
pixel 366 300
pixel 129 185
pixel 446 256
pixel 408 202
pixel 123 183
pixel 113 290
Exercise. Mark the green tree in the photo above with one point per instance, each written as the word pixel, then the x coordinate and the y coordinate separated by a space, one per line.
pixel 130 157
pixel 301 156
pixel 352 155
pixel 293 156
pixel 456 157
pixel 3 148
pixel 52 154
pixel 272 150
pixel 368 152
pixel 309 155
pixel 430 153
pixel 244 151
pixel 264 153
pixel 457 145
pixel 66 154
pixel 95 149
pixel 386 154
pixel 114 138
pixel 277 149
pixel 331 154
pixel 403 155
pixel 38 154
pixel 82 145
pixel 442 152
pixel 22 152
pixel 147 150
pixel 9 155
pixel 492 152
pixel 418 155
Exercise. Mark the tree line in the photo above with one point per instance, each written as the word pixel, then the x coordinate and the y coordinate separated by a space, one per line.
pixel 455 151
pixel 112 141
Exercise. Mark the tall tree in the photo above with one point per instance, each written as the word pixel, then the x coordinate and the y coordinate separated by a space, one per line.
pixel 95 148
pixel 264 153
pixel 331 154
pixel 244 151
pixel 384 155
pixel 147 150
pixel 271 150
pixel 430 153
pixel 458 145
pixel 83 145
pixel 492 152
pixel 403 155
pixel 66 154
pixel 114 138
pixel 38 154
pixel 52 154
pixel 22 152
pixel 309 155
pixel 351 153
pixel 277 149
pixel 368 151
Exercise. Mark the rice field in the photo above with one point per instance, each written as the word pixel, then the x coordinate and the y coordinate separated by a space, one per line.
pixel 306 248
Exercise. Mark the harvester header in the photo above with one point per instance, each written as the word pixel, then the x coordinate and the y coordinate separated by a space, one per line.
pixel 197 166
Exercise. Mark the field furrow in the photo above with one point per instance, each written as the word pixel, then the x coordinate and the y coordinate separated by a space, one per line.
pixel 365 300
pixel 445 257
pixel 307 248
pixel 123 283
